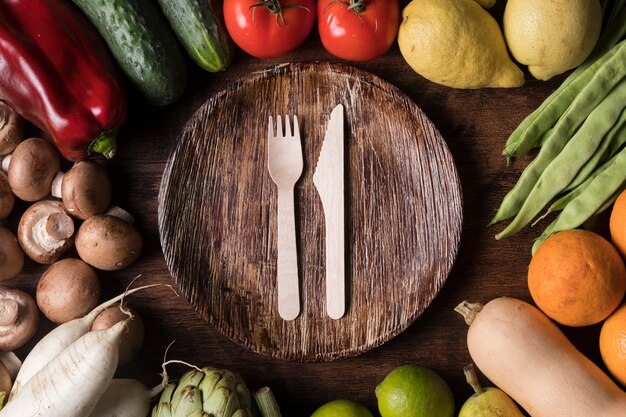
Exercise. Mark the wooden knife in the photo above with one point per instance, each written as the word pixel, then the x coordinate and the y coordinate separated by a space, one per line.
pixel 329 182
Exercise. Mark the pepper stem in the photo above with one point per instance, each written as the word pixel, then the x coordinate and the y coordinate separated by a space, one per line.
pixel 104 144
pixel 267 403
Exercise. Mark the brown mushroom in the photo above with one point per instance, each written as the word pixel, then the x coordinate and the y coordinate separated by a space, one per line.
pixel 45 231
pixel 7 198
pixel 19 318
pixel 85 189
pixel 68 289
pixel 107 242
pixel 11 255
pixel 6 382
pixel 132 340
pixel 31 167
pixel 12 128
pixel 11 362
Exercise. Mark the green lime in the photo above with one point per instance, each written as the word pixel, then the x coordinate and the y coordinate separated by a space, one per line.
pixel 413 391
pixel 342 408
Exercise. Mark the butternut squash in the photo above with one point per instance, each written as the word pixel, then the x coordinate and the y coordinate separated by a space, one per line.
pixel 526 355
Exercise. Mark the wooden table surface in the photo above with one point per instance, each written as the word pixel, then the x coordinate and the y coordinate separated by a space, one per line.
pixel 475 124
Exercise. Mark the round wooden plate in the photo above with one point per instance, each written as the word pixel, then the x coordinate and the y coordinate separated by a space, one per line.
pixel 217 212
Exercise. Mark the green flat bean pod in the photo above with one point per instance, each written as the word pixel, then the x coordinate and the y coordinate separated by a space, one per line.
pixel 608 203
pixel 601 84
pixel 563 168
pixel 620 139
pixel 604 188
pixel 560 204
pixel 565 199
pixel 528 134
pixel 611 143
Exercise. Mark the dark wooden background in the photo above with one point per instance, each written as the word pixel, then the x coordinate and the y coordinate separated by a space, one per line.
pixel 475 124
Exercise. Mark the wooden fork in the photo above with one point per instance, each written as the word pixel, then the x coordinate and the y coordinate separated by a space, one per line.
pixel 284 161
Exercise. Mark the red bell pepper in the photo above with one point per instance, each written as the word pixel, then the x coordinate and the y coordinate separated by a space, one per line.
pixel 57 72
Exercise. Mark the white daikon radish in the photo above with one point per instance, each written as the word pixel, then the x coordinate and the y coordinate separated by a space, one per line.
pixel 127 398
pixel 59 339
pixel 71 384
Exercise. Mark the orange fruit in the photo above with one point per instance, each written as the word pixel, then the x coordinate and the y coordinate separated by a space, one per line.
pixel 617 224
pixel 613 344
pixel 577 278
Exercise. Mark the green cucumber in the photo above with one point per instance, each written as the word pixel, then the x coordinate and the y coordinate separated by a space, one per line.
pixel 201 31
pixel 143 45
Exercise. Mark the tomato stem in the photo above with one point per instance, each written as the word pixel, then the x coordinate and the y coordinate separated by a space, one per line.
pixel 274 6
pixel 358 6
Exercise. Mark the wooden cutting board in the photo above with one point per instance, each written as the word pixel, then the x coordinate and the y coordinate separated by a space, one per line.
pixel 217 212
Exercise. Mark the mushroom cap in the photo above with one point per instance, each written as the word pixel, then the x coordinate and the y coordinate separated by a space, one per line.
pixel 34 164
pixel 86 190
pixel 11 255
pixel 19 318
pixel 12 127
pixel 68 289
pixel 7 198
pixel 132 340
pixel 45 231
pixel 107 242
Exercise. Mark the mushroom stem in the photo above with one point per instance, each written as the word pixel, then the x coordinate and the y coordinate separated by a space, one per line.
pixel 120 213
pixel 9 312
pixel 45 231
pixel 60 226
pixel 6 160
pixel 51 231
pixel 57 182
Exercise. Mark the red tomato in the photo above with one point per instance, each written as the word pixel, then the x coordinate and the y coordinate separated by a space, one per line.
pixel 360 31
pixel 269 28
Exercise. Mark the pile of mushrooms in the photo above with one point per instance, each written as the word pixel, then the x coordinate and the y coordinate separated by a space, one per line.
pixel 106 240
pixel 69 210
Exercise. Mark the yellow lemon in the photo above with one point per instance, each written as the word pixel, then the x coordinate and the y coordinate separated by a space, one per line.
pixel 551 36
pixel 456 43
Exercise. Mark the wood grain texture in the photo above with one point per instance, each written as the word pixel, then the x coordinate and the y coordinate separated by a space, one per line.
pixel 217 212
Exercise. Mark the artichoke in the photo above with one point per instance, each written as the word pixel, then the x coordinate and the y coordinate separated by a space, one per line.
pixel 207 393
